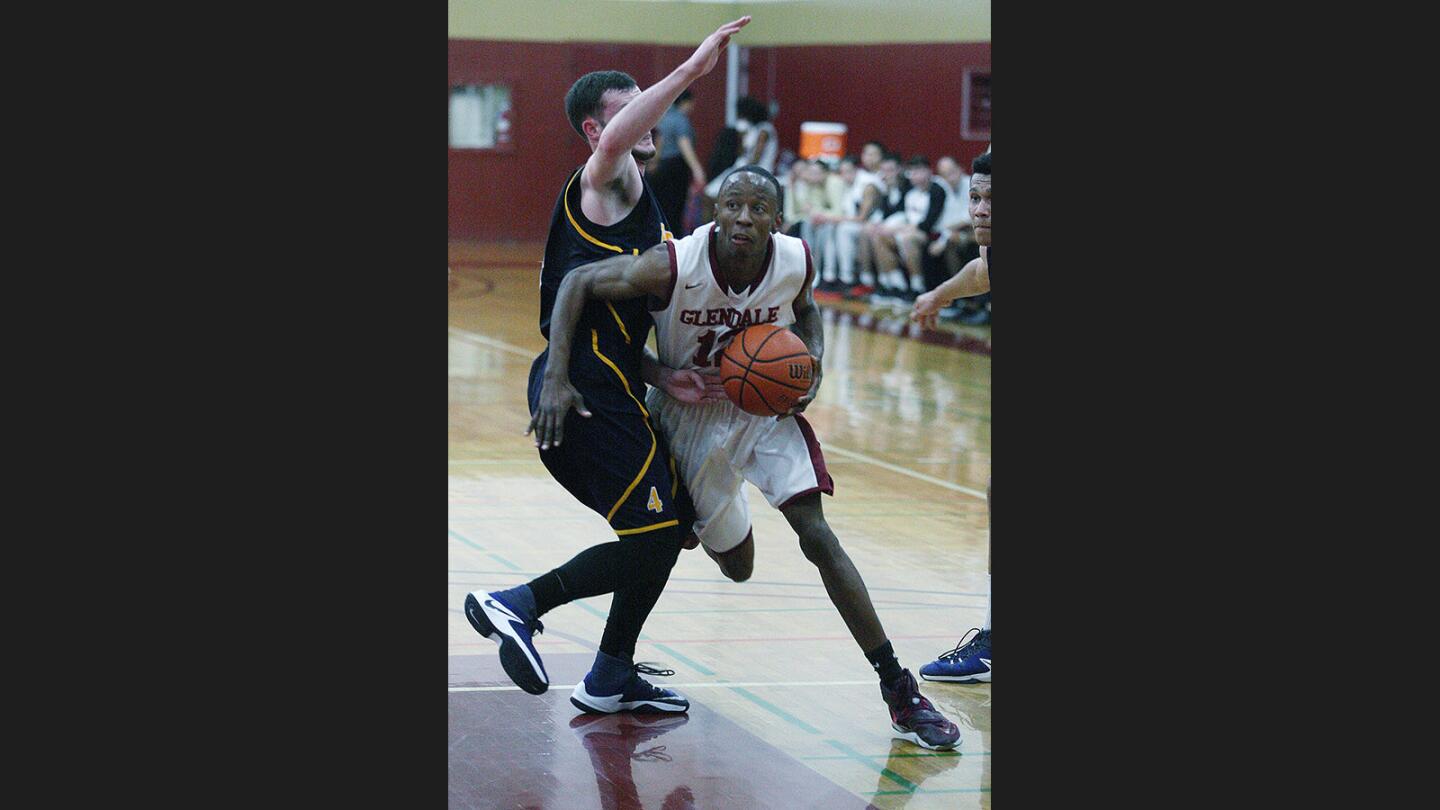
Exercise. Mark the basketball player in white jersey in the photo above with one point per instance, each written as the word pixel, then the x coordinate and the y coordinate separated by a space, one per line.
pixel 702 290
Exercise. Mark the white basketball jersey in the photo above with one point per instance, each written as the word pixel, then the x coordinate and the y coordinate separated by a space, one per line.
pixel 703 314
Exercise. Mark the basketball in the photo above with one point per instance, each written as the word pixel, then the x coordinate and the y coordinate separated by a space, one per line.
pixel 765 369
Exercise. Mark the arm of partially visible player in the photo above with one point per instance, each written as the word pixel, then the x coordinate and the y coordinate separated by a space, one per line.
pixel 811 330
pixel 609 162
pixel 615 279
pixel 697 172
pixel 973 279
pixel 687 385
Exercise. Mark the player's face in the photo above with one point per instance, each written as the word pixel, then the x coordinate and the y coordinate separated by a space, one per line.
pixel 746 214
pixel 980 207
pixel 615 101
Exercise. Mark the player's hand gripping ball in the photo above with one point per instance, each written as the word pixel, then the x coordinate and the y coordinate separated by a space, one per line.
pixel 765 369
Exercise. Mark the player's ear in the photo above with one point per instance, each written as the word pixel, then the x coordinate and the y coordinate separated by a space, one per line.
pixel 592 128
pixel 779 222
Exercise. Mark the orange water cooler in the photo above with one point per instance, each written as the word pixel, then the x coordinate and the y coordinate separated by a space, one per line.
pixel 822 139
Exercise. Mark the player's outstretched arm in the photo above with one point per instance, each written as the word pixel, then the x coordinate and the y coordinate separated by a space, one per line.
pixel 609 161
pixel 810 328
pixel 973 279
pixel 615 279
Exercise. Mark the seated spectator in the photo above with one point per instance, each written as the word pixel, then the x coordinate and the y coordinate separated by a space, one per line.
pixel 863 189
pixel 903 236
pixel 814 200
pixel 956 237
pixel 887 214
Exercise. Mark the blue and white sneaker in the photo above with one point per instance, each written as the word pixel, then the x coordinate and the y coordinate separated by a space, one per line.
pixel 967 663
pixel 637 695
pixel 511 628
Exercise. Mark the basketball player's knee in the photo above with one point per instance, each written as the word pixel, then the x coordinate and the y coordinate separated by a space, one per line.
pixel 660 552
pixel 738 562
pixel 819 544
pixel 737 569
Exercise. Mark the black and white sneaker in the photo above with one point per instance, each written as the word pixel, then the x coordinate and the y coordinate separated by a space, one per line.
pixel 511 628
pixel 637 695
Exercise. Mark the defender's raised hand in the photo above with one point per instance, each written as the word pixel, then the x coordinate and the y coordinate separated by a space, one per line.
pixel 705 56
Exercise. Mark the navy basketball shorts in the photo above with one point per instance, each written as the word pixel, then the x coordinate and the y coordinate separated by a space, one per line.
pixel 617 463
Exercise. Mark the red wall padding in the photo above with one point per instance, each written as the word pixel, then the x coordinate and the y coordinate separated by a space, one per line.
pixel 907 96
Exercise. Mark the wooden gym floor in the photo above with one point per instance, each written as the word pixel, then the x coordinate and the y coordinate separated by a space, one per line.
pixel 785 711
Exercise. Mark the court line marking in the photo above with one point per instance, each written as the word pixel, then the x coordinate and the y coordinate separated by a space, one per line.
pixel 924 791
pixel 775 710
pixel 483 340
pixel 883 769
pixel 717 581
pixel 695 665
pixel 706 685
pixel 895 468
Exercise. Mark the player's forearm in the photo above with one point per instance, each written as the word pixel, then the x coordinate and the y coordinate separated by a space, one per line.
pixel 691 159
pixel 650 367
pixel 641 115
pixel 809 327
pixel 577 286
pixel 964 284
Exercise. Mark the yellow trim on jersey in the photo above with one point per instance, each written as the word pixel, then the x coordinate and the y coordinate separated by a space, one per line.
pixel 565 200
pixel 595 344
pixel 618 322
pixel 650 528
pixel 674 478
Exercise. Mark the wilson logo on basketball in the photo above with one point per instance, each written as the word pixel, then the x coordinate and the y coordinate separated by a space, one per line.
pixel 799 371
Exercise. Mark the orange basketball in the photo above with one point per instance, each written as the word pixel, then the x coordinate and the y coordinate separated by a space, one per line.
pixel 765 369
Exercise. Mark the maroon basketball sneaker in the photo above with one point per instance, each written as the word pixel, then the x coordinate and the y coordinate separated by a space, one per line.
pixel 914 719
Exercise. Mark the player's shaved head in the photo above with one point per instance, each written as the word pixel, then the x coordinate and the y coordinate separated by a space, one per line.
pixel 752 170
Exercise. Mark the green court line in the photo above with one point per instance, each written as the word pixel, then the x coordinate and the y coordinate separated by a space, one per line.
pixel 775 710
pixel 831 609
pixel 905 756
pixel 924 791
pixel 512 566
pixel 687 661
pixel 719 581
pixel 884 771
pixel 695 665
pixel 467 541
pixel 589 608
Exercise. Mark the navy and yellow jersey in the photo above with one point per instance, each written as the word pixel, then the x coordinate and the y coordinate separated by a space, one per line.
pixel 613 461
pixel 616 331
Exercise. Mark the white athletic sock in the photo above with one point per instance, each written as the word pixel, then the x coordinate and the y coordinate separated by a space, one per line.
pixel 987 603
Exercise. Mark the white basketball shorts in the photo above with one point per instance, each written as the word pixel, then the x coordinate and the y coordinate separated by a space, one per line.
pixel 717 447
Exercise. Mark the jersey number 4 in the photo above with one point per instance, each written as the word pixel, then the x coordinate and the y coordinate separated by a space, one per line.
pixel 654 504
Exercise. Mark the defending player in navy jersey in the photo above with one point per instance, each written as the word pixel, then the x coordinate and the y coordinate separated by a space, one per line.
pixel 702 289
pixel 969 662
pixel 606 453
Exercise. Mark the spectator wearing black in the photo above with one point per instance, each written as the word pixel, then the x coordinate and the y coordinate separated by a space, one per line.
pixel 679 172
pixel 904 235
